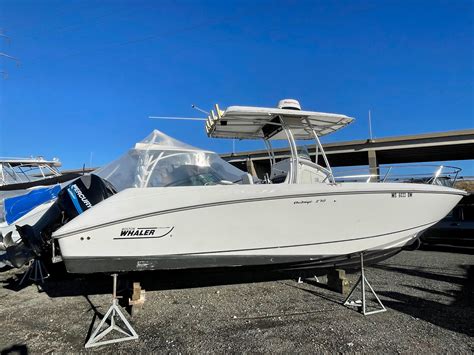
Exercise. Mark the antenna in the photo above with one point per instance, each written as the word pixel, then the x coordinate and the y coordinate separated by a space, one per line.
pixel 370 126
pixel 177 118
pixel 199 109
pixel 211 114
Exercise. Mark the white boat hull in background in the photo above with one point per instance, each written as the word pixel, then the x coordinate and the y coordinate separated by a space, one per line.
pixel 213 226
pixel 30 218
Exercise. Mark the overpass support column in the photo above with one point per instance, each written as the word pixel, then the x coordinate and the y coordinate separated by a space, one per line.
pixel 373 165
pixel 250 167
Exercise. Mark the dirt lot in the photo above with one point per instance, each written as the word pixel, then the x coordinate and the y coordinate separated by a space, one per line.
pixel 428 294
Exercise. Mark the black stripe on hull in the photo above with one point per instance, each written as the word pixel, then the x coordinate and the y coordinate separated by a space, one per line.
pixel 280 262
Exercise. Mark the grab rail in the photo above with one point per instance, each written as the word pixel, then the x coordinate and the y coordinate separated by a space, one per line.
pixel 439 174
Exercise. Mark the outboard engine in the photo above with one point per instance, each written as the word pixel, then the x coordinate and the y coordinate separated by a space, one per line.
pixel 75 198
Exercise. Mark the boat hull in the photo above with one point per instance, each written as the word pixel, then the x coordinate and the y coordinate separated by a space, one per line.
pixel 225 226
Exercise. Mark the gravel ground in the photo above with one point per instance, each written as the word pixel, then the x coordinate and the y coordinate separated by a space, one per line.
pixel 428 294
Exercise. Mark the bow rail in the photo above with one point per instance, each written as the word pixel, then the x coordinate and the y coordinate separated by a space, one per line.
pixel 413 173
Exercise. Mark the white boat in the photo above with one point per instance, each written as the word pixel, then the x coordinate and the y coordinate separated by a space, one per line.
pixel 306 219
pixel 18 176
pixel 25 173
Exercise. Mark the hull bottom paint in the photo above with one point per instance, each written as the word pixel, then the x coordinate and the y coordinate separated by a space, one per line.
pixel 279 262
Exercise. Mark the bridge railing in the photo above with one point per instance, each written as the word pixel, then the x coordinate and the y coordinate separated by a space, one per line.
pixel 409 173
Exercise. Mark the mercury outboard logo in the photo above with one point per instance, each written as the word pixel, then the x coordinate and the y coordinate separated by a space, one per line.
pixel 79 194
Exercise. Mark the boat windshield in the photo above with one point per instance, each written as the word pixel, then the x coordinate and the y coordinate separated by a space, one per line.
pixel 197 177
pixel 303 152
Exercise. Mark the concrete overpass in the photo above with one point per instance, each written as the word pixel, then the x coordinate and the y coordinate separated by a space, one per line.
pixel 443 146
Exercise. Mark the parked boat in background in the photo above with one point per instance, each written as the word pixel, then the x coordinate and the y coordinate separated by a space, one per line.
pixel 27 188
pixel 18 176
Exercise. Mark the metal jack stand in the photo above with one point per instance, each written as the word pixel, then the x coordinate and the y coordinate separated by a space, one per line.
pixel 362 304
pixel 36 271
pixel 112 313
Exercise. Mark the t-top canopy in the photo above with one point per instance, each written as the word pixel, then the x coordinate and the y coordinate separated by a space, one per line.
pixel 244 122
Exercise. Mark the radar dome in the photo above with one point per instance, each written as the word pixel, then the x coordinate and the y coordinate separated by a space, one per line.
pixel 289 104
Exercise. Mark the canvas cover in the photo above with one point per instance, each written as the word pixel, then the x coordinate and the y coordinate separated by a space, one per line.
pixel 160 160
pixel 17 206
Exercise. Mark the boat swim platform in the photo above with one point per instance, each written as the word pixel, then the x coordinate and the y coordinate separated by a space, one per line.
pixel 427 147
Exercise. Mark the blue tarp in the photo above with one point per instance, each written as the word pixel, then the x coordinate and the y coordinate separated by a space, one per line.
pixel 16 207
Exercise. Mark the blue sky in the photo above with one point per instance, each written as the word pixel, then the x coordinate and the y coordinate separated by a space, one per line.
pixel 91 72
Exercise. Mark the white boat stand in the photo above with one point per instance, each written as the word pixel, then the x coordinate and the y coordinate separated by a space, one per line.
pixel 114 311
pixel 362 304
pixel 36 272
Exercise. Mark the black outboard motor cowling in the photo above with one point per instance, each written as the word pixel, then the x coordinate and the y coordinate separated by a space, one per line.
pixel 75 198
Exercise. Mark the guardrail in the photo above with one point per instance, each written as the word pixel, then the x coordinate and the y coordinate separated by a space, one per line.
pixel 418 173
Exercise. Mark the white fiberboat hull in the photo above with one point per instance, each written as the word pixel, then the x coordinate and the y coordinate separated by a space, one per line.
pixel 30 218
pixel 220 226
